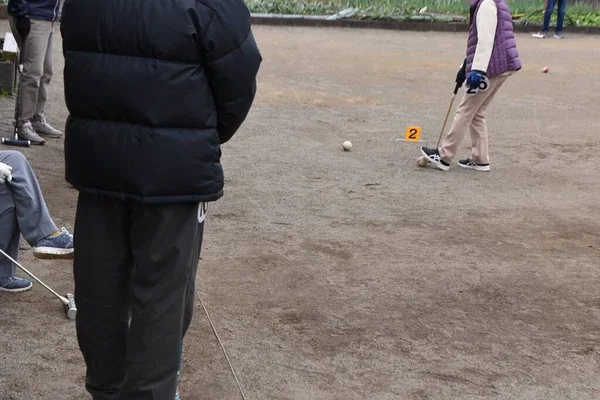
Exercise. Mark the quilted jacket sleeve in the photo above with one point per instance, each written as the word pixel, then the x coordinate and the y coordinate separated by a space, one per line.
pixel 232 61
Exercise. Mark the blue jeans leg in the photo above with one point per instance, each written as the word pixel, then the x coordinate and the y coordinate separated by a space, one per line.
pixel 562 5
pixel 547 14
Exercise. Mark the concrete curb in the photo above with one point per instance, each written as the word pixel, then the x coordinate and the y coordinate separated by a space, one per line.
pixel 423 26
pixel 315 21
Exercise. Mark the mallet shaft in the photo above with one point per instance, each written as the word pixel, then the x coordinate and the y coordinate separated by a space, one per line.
pixel 445 121
pixel 63 299
pixel 456 88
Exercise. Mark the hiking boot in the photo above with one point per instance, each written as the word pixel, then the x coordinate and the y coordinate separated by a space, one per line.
pixel 55 247
pixel 433 156
pixel 470 164
pixel 42 127
pixel 14 284
pixel 27 132
pixel 539 35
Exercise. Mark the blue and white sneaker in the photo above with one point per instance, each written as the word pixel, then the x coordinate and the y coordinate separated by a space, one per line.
pixel 14 284
pixel 55 247
pixel 468 163
pixel 434 157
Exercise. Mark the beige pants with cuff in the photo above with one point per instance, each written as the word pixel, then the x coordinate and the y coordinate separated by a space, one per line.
pixel 470 117
pixel 37 69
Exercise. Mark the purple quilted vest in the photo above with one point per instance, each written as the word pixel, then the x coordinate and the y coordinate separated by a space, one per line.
pixel 504 54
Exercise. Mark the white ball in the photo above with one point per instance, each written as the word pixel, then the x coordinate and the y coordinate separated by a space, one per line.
pixel 347 145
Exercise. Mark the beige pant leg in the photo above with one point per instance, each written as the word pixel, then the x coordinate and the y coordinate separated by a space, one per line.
pixel 45 80
pixel 37 68
pixel 479 133
pixel 465 113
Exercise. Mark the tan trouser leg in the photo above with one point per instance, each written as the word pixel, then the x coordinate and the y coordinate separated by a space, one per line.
pixel 470 116
pixel 479 138
pixel 37 69
pixel 479 133
pixel 45 81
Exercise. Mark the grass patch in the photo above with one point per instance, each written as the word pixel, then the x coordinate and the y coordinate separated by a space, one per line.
pixel 581 13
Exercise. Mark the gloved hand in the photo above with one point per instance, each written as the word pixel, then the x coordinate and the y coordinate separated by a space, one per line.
pixel 461 76
pixel 23 27
pixel 475 78
pixel 5 173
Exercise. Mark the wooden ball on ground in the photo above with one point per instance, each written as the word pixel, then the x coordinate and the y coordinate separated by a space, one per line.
pixel 421 161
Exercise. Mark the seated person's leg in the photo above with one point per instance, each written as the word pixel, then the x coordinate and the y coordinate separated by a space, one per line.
pixel 9 243
pixel 33 219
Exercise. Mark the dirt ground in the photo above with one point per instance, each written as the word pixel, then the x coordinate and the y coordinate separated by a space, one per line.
pixel 339 275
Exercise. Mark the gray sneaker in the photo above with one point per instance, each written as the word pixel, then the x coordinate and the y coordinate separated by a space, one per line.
pixel 42 127
pixel 55 247
pixel 27 132
pixel 14 284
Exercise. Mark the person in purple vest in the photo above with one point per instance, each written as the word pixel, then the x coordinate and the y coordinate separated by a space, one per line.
pixel 491 58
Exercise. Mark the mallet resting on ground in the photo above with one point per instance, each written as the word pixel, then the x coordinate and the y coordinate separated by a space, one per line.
pixel 68 300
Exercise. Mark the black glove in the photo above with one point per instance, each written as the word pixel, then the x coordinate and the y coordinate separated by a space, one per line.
pixel 23 27
pixel 461 76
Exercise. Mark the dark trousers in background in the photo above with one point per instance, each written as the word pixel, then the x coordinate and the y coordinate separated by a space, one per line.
pixel 140 261
pixel 560 19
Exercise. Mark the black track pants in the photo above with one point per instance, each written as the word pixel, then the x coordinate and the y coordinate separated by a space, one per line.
pixel 138 261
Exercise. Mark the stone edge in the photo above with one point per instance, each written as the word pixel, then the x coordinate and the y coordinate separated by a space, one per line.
pixel 299 21
pixel 280 20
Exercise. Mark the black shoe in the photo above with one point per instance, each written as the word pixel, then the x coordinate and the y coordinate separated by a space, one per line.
pixel 433 156
pixel 470 164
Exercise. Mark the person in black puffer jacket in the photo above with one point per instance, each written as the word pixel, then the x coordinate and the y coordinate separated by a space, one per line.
pixel 153 89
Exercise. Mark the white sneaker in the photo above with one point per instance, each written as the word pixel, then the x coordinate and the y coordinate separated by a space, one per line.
pixel 539 35
pixel 27 132
pixel 42 127
pixel 558 36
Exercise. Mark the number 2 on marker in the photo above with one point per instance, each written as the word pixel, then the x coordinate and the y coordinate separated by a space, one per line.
pixel 413 133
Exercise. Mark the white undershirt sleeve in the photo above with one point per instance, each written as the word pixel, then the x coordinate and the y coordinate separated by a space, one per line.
pixel 487 21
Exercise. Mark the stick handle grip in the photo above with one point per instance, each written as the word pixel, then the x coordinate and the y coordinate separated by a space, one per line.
pixel 456 88
pixel 15 142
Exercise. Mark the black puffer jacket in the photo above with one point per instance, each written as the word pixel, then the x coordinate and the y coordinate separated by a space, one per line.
pixel 153 88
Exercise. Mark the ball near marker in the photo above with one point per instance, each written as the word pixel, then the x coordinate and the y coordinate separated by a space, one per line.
pixel 421 161
pixel 546 69
pixel 347 145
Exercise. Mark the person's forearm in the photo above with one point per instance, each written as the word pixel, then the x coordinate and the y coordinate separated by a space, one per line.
pixel 487 21
pixel 233 88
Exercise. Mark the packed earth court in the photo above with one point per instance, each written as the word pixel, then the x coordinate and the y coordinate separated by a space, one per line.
pixel 334 270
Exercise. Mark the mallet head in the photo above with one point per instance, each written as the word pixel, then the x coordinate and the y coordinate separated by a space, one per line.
pixel 70 306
